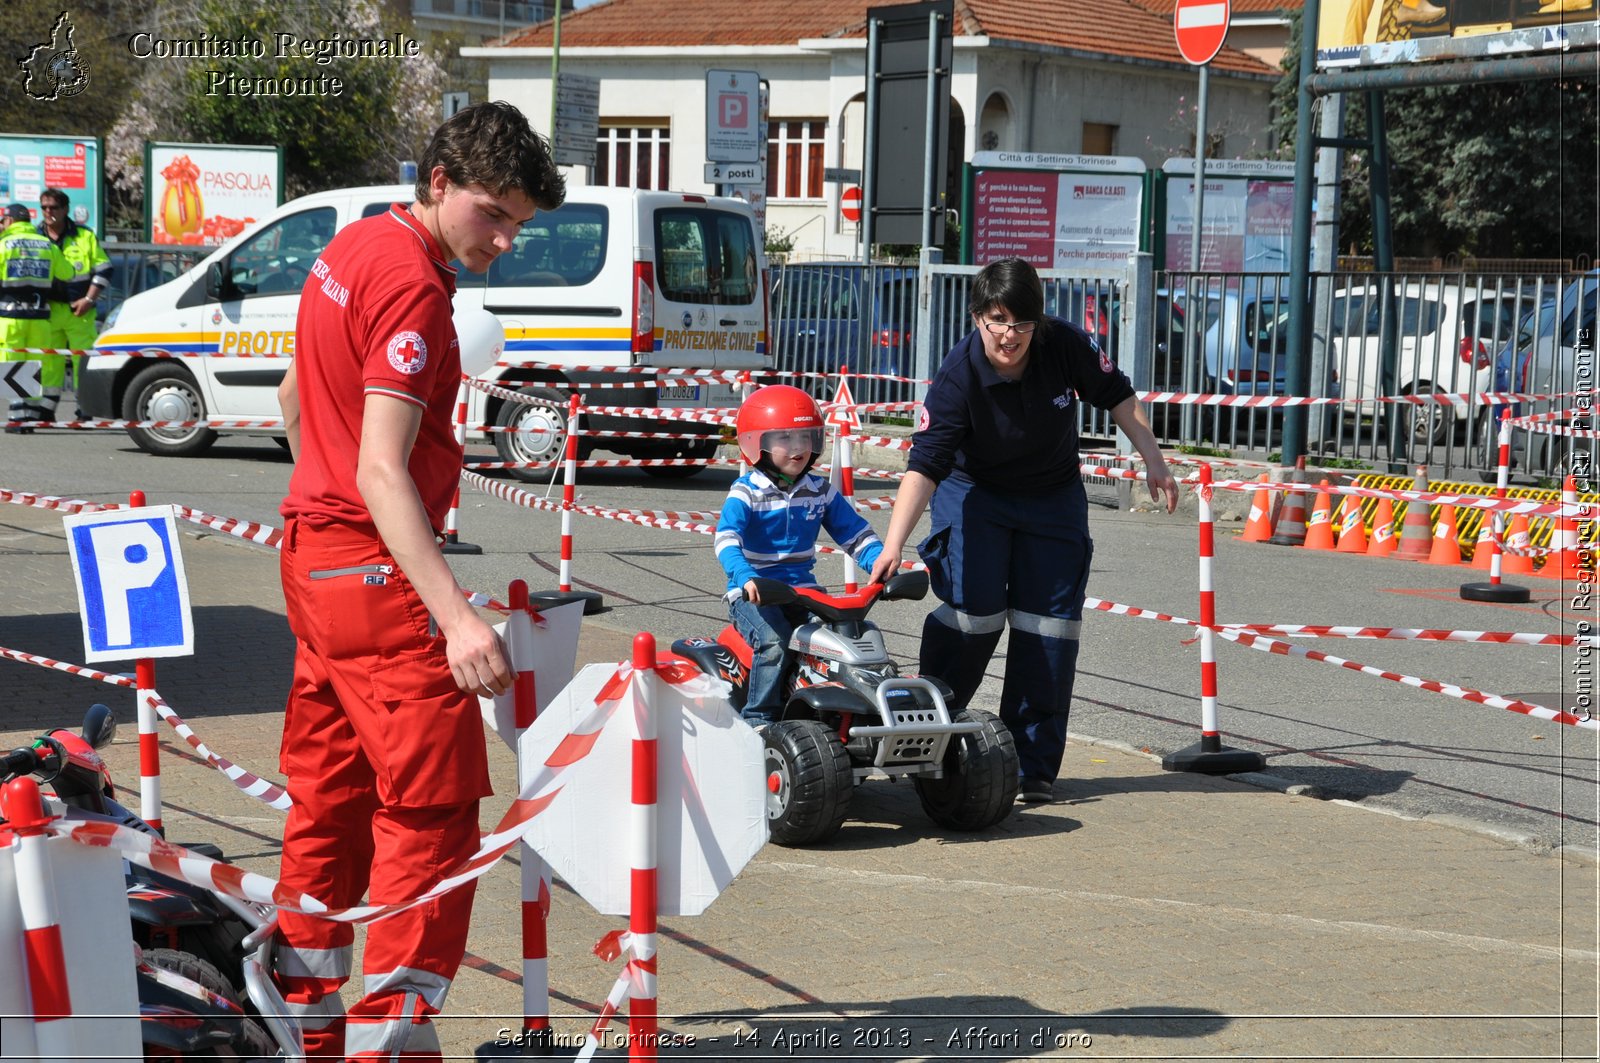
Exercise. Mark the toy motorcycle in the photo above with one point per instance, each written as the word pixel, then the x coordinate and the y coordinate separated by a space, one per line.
pixel 849 714
pixel 196 949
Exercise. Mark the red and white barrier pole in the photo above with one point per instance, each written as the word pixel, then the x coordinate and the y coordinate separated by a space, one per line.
pixel 746 388
pixel 44 957
pixel 847 487
pixel 1494 590
pixel 1209 756
pixel 535 877
pixel 149 738
pixel 569 495
pixel 452 518
pixel 642 1036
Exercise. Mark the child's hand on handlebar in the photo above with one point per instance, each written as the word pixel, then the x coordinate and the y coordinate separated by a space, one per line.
pixel 751 594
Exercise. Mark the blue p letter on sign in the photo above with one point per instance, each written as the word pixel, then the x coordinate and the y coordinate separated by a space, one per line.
pixel 132 593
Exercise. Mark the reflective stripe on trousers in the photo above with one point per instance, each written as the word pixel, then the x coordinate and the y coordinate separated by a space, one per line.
pixel 995 559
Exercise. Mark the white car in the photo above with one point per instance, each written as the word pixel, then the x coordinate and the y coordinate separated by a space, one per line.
pixel 1444 338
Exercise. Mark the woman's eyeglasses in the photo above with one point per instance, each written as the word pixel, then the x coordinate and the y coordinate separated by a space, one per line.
pixel 1000 328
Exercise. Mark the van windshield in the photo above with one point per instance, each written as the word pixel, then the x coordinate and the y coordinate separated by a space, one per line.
pixel 560 248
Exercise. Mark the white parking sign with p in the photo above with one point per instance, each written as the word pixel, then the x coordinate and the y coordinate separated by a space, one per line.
pixel 132 592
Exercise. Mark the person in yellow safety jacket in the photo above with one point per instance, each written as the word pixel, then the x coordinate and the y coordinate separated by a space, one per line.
pixel 73 322
pixel 30 265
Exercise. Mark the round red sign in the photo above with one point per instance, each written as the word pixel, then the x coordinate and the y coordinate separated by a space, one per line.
pixel 850 204
pixel 1200 27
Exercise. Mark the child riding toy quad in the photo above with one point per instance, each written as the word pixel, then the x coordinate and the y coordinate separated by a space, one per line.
pixel 849 714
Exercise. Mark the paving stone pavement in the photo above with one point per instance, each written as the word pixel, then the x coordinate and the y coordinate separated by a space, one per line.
pixel 1144 914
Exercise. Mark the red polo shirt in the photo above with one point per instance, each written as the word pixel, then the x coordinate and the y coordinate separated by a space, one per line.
pixel 375 319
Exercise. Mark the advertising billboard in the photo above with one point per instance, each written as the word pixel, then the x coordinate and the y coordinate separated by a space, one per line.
pixel 205 194
pixel 1075 212
pixel 1249 207
pixel 1352 33
pixel 30 164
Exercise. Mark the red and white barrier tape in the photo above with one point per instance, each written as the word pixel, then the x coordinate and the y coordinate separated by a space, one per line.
pixel 71 669
pixel 108 423
pixel 1271 645
pixel 1509 506
pixel 254 785
pixel 65 505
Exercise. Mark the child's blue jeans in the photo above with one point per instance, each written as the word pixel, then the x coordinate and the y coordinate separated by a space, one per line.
pixel 766 629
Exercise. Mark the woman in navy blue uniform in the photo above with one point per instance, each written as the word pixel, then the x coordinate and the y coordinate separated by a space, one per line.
pixel 996 450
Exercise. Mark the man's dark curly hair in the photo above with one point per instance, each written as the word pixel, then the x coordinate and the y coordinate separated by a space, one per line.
pixel 491 144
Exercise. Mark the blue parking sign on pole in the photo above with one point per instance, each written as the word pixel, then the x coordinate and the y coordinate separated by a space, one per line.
pixel 132 592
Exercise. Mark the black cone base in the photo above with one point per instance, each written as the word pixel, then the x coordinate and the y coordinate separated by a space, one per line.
pixel 1213 759
pixel 1494 592
pixel 593 602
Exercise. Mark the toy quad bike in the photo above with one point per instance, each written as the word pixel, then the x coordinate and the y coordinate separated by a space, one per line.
pixel 849 714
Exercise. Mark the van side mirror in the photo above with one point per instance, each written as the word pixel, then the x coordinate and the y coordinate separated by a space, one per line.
pixel 219 284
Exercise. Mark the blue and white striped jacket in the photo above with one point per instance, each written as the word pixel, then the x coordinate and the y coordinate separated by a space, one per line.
pixel 772 533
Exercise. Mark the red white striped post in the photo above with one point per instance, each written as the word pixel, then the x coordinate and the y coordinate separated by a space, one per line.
pixel 642 1028
pixel 847 486
pixel 1494 590
pixel 535 884
pixel 48 990
pixel 149 739
pixel 452 519
pixel 569 495
pixel 1209 756
pixel 746 389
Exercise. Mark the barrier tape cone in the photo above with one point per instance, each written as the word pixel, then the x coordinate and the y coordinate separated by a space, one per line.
pixel 1416 531
pixel 1566 560
pixel 1319 530
pixel 1446 539
pixel 1352 529
pixel 1383 542
pixel 1514 562
pixel 1258 529
pixel 1290 530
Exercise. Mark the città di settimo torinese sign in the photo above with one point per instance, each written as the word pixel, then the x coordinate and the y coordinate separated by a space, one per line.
pixel 318 51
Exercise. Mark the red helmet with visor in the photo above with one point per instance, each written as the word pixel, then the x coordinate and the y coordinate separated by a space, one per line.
pixel 778 408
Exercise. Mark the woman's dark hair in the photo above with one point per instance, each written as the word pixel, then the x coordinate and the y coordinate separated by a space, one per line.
pixel 1010 283
pixel 491 144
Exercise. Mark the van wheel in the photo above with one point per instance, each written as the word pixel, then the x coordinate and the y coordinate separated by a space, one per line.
pixel 694 452
pixel 541 434
pixel 166 392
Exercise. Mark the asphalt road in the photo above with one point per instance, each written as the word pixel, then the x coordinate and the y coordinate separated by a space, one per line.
pixel 1375 741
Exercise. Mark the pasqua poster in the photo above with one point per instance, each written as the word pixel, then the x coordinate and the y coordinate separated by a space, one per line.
pixel 205 194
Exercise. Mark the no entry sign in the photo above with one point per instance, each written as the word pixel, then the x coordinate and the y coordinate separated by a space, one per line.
pixel 850 204
pixel 1200 26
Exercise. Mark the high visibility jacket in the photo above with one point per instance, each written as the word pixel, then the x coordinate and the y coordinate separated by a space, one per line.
pixel 29 266
pixel 90 264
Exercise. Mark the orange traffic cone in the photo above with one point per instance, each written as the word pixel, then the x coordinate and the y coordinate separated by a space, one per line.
pixel 1290 529
pixel 1416 533
pixel 1566 560
pixel 1516 563
pixel 1319 530
pixel 1484 549
pixel 1352 529
pixel 1446 547
pixel 1258 529
pixel 1383 541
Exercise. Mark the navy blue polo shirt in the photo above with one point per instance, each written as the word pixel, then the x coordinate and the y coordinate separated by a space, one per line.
pixel 1014 435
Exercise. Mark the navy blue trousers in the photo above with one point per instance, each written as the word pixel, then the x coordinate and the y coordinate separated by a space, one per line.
pixel 1019 560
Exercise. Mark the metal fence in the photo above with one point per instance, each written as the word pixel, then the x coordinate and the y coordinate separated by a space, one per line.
pixel 1373 336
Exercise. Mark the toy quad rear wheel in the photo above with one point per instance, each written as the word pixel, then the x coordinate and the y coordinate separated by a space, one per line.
pixel 809 782
pixel 980 777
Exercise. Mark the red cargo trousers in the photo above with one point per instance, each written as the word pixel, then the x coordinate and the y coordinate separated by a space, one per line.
pixel 386 764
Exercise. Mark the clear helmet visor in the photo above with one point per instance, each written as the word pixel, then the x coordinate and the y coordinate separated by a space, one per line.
pixel 792 440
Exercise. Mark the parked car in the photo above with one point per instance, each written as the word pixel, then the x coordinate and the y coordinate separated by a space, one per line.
pixel 1098 308
pixel 1442 335
pixel 827 315
pixel 1552 353
pixel 1247 331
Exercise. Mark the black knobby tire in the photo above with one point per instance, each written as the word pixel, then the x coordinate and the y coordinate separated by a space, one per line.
pixel 814 782
pixel 252 1042
pixel 548 412
pixel 167 392
pixel 980 781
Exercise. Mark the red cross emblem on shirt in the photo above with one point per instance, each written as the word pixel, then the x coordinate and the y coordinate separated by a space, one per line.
pixel 408 352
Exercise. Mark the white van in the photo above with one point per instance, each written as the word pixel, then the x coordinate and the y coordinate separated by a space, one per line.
pixel 614 277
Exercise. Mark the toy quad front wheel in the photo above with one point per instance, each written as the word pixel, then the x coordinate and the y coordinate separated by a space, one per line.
pixel 808 782
pixel 980 777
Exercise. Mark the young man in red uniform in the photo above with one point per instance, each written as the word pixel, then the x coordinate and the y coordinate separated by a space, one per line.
pixel 382 741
